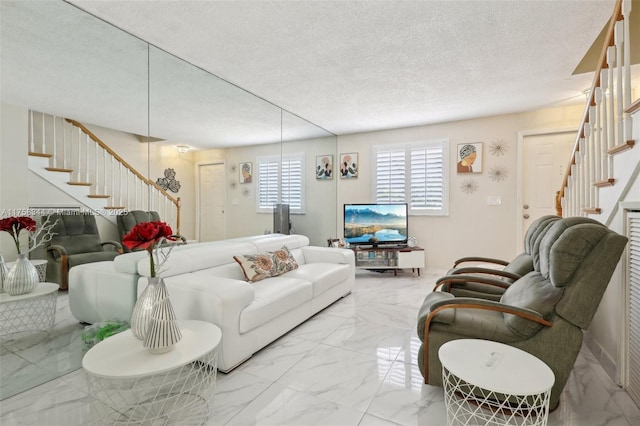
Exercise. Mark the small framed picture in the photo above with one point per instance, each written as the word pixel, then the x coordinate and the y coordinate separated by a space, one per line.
pixel 246 172
pixel 469 158
pixel 349 165
pixel 324 167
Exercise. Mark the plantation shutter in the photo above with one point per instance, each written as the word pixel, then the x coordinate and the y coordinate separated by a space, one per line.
pixel 268 176
pixel 390 176
pixel 293 183
pixel 427 178
pixel 281 180
pixel 415 174
pixel 633 356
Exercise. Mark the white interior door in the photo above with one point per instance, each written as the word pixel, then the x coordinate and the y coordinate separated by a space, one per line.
pixel 544 161
pixel 211 202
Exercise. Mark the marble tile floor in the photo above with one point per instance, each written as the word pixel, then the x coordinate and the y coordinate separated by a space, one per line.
pixel 352 364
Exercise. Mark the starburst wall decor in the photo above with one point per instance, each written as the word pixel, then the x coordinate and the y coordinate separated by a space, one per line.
pixel 498 173
pixel 498 148
pixel 469 186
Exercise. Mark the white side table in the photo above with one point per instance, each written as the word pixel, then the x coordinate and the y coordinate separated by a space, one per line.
pixel 30 311
pixel 490 383
pixel 131 386
pixel 41 267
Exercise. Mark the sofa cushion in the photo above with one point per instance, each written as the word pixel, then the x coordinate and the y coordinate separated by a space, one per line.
pixel 256 267
pixel 323 276
pixel 272 298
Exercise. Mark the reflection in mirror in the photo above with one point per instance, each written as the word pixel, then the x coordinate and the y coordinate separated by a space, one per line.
pixel 319 221
pixel 59 61
pixel 189 106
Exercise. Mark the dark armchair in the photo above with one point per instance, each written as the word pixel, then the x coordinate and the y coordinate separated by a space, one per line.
pixel 543 313
pixel 127 221
pixel 76 241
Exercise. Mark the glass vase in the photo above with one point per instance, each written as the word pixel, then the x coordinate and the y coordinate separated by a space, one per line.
pixel 22 277
pixel 143 308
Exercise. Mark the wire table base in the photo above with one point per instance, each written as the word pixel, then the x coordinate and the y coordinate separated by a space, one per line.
pixel 469 404
pixel 183 395
pixel 30 311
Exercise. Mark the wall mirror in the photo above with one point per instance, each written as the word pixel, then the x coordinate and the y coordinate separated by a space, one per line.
pixel 129 93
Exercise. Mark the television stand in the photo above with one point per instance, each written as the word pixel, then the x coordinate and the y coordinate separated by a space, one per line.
pixel 396 257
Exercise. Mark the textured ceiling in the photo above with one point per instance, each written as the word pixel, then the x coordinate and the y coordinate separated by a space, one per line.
pixel 347 66
pixel 352 66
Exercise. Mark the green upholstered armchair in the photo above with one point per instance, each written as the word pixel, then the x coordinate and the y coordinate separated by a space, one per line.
pixel 127 221
pixel 542 313
pixel 76 241
pixel 506 271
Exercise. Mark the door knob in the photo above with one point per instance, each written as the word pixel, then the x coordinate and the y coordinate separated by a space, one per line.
pixel 526 216
pixel 526 206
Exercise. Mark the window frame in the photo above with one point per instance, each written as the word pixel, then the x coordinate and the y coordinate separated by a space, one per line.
pixel 278 160
pixel 407 149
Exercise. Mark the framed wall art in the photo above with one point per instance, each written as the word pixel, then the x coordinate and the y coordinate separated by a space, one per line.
pixel 324 167
pixel 349 165
pixel 469 159
pixel 246 172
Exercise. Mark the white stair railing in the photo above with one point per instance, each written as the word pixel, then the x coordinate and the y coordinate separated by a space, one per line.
pixel 605 129
pixel 74 149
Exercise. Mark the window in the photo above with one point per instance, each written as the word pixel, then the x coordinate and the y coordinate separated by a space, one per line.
pixel 416 174
pixel 281 180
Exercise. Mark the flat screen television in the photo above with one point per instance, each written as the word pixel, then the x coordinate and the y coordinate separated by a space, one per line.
pixel 375 224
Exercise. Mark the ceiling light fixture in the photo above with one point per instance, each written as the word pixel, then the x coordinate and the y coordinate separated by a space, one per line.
pixel 183 148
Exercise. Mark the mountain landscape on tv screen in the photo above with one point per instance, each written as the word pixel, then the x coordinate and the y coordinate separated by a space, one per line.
pixel 362 225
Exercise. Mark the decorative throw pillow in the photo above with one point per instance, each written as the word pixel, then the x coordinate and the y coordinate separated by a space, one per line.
pixel 256 267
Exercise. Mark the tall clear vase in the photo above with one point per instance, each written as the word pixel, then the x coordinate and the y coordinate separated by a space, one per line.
pixel 143 308
pixel 4 271
pixel 22 277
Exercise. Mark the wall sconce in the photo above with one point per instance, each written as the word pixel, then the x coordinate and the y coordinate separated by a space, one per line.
pixel 183 148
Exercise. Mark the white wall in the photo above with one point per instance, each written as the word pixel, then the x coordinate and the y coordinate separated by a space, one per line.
pixel 14 172
pixel 472 227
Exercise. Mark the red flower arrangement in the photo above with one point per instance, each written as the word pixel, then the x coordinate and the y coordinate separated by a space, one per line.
pixel 147 236
pixel 14 225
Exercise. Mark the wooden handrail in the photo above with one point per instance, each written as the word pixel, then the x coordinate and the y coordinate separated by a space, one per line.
pixel 97 140
pixel 609 41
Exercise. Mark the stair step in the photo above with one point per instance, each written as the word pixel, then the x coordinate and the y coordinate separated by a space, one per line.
pixel 621 148
pixel 59 169
pixel 115 207
pixel 592 210
pixel 603 183
pixel 98 196
pixel 80 183
pixel 40 154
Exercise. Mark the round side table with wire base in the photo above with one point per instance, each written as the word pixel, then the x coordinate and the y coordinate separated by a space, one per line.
pixel 490 383
pixel 132 386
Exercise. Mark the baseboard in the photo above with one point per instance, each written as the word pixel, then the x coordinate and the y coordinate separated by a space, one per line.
pixel 602 356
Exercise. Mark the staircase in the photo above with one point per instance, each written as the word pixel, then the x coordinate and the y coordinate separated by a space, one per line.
pixel 68 155
pixel 603 156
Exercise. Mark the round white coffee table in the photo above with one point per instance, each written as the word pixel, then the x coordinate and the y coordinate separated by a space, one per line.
pixel 132 386
pixel 31 311
pixel 491 383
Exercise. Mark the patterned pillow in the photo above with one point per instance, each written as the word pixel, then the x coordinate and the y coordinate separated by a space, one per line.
pixel 256 267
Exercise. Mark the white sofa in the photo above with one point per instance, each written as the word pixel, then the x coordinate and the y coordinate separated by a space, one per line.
pixel 205 283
